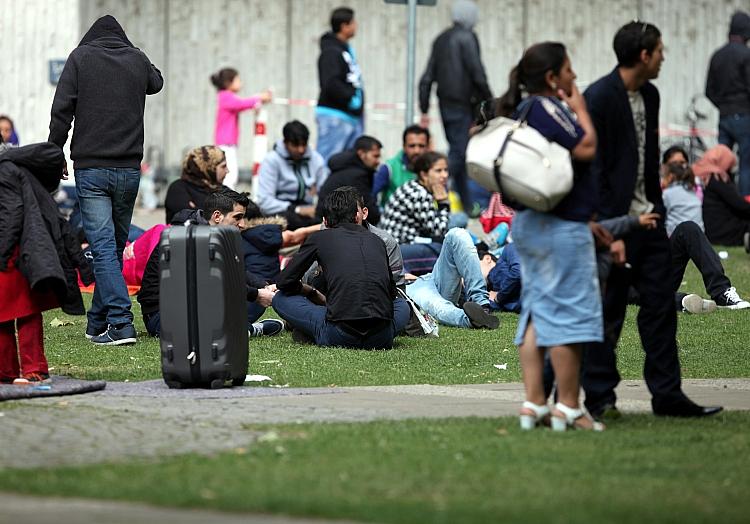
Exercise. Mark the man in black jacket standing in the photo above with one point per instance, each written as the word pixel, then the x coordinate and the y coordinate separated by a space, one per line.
pixel 455 64
pixel 103 87
pixel 624 108
pixel 728 88
pixel 360 308
pixel 341 104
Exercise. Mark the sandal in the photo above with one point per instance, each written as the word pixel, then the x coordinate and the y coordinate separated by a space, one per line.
pixel 533 415
pixel 564 417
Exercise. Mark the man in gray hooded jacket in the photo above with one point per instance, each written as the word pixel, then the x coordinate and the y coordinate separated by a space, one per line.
pixel 456 66
pixel 103 88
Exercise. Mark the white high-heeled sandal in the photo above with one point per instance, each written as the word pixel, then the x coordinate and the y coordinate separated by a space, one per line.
pixel 569 418
pixel 541 412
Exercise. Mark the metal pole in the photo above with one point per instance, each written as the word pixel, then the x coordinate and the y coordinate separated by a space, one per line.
pixel 410 45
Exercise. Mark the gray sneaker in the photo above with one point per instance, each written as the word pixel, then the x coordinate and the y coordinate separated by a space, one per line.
pixel 114 336
pixel 697 305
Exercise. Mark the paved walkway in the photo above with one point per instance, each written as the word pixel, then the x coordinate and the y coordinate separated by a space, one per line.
pixel 146 419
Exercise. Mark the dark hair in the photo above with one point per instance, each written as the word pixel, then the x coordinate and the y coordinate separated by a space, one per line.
pixel 222 78
pixel 223 201
pixel 631 39
pixel 367 143
pixel 252 210
pixel 415 130
pixel 296 133
pixel 671 151
pixel 340 16
pixel 529 75
pixel 425 161
pixel 340 206
pixel 682 174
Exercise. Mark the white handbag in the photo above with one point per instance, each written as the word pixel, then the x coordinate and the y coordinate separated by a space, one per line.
pixel 514 158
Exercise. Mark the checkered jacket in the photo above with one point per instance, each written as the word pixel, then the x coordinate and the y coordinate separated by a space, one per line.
pixel 412 211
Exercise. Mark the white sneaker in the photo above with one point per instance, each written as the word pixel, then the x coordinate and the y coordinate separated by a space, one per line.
pixel 732 300
pixel 697 305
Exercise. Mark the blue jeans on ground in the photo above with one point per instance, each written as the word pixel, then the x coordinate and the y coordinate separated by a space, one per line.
pixel 438 292
pixel 107 197
pixel 311 320
pixel 735 129
pixel 456 123
pixel 336 134
pixel 420 258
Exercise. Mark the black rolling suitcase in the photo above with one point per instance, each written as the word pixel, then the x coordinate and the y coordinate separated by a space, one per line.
pixel 202 302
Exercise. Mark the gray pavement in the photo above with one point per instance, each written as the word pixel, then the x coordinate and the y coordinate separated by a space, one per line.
pixel 147 420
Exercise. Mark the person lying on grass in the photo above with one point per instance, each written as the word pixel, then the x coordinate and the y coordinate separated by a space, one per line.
pixel 224 207
pixel 360 309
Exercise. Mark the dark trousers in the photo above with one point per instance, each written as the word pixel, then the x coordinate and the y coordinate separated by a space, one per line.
pixel 650 256
pixel 687 243
pixel 153 323
pixel 735 129
pixel 311 320
pixel 457 122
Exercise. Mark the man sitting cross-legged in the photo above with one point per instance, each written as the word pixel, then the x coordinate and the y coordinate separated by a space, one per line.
pixel 457 269
pixel 223 207
pixel 360 309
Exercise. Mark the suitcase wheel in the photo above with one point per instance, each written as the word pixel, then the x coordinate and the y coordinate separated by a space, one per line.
pixel 217 383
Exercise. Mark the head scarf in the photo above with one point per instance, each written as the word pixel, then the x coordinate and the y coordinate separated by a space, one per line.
pixel 465 13
pixel 718 161
pixel 199 166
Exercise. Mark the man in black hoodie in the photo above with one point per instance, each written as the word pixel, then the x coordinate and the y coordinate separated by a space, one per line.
pixel 103 87
pixel 354 168
pixel 340 110
pixel 728 87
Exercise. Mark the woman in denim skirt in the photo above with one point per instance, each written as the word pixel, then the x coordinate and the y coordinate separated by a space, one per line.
pixel 560 301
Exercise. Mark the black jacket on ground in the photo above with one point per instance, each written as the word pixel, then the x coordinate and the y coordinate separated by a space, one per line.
pixel 348 170
pixel 455 64
pixel 103 87
pixel 49 252
pixel 361 289
pixel 261 242
pixel 615 166
pixel 336 91
pixel 728 79
pixel 726 215
pixel 148 296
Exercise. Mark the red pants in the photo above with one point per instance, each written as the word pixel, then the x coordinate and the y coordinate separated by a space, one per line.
pixel 30 347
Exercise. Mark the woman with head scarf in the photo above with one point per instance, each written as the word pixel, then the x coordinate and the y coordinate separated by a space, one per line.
pixel 203 171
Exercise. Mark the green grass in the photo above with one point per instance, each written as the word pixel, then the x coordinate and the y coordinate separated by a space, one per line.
pixel 445 471
pixel 711 346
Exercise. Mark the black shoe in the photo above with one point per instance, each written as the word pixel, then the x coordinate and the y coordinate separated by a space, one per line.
pixel 607 411
pixel 686 408
pixel 480 318
pixel 266 328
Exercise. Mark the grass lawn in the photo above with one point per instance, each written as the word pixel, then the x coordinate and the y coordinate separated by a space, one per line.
pixel 710 346
pixel 446 471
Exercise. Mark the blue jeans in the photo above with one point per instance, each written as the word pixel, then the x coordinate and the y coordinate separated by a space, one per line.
pixel 456 123
pixel 106 197
pixel 438 292
pixel 735 129
pixel 153 323
pixel 420 258
pixel 336 134
pixel 254 312
pixel 311 320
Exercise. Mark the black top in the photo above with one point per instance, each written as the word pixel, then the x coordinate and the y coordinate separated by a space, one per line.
pixel 726 215
pixel 336 69
pixel 103 86
pixel 615 167
pixel 355 264
pixel 455 64
pixel 180 194
pixel 348 170
pixel 728 79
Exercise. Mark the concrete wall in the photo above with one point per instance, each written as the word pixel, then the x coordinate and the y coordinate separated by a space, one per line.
pixel 275 44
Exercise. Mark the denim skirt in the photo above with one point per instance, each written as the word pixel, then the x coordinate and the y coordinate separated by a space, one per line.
pixel 559 285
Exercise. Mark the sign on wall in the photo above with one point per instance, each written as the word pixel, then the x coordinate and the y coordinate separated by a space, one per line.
pixel 55 70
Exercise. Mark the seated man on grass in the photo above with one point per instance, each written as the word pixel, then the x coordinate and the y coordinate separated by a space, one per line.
pixel 457 272
pixel 360 309
pixel 224 207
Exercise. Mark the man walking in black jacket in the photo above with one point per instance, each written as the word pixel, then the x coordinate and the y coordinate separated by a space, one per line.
pixel 728 87
pixel 360 308
pixel 624 107
pixel 103 87
pixel 455 64
pixel 341 104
